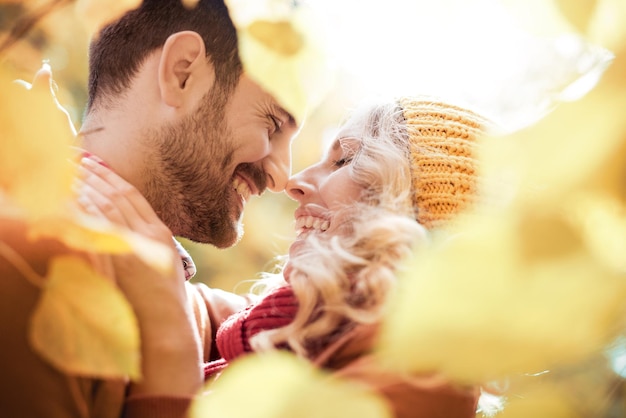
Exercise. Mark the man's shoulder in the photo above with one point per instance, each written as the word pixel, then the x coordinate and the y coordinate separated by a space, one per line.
pixel 29 385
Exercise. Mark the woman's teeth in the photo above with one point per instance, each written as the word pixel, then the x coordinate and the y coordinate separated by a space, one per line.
pixel 242 188
pixel 311 223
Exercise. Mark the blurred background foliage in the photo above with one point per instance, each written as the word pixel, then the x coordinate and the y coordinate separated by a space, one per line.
pixel 482 52
pixel 515 60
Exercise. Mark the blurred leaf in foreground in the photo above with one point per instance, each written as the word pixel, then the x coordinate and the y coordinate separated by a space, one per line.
pixel 35 141
pixel 94 235
pixel 95 14
pixel 290 388
pixel 513 294
pixel 608 24
pixel 83 324
pixel 281 47
pixel 531 284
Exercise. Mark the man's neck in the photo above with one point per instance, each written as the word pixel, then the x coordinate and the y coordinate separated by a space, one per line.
pixel 110 136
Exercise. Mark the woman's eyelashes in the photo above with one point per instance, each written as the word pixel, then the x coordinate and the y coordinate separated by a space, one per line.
pixel 342 161
pixel 343 151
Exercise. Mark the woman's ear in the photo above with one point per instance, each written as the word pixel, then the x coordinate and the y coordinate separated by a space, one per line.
pixel 185 73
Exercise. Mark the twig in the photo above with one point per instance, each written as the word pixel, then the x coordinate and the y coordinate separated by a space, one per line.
pixel 24 24
pixel 21 265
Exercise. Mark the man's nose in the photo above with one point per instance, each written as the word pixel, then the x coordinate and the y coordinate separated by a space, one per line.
pixel 277 165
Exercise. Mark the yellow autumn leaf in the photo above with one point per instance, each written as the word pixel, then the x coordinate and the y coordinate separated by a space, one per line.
pixel 540 17
pixel 95 235
pixel 35 140
pixel 514 293
pixel 550 394
pixel 570 148
pixel 539 283
pixel 281 47
pixel 541 401
pixel 578 13
pixel 190 4
pixel 95 14
pixel 83 324
pixel 290 388
pixel 579 150
pixel 280 37
pixel 608 26
pixel 603 224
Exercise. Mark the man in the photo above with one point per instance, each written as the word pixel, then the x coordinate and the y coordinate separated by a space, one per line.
pixel 171 110
pixel 174 115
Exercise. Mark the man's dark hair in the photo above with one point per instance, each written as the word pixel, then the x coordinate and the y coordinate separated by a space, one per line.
pixel 117 52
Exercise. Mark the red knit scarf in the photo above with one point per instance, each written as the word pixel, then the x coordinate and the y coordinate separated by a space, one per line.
pixel 275 310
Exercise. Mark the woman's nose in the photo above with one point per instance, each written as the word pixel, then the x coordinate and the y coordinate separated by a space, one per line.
pixel 299 185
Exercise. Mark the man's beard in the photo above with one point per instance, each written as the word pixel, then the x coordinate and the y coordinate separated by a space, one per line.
pixel 189 175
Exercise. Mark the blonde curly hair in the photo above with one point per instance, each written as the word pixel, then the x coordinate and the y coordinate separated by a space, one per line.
pixel 415 162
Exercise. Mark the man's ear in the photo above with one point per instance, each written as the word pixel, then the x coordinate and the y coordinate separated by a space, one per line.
pixel 185 73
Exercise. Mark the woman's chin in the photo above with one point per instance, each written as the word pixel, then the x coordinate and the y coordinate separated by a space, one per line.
pixel 296 247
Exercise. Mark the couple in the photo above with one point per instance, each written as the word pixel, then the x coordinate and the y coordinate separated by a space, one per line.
pixel 396 170
pixel 172 113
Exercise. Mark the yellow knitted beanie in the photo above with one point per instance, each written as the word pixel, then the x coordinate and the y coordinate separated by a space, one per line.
pixel 443 158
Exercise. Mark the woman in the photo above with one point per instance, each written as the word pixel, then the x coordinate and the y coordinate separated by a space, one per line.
pixel 392 164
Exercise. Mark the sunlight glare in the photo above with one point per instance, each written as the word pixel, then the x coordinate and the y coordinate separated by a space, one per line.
pixel 476 52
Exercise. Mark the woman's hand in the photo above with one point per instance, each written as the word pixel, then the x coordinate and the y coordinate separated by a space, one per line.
pixel 171 351
pixel 103 193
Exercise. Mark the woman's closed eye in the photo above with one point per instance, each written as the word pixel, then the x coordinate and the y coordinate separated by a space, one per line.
pixel 343 151
pixel 342 161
